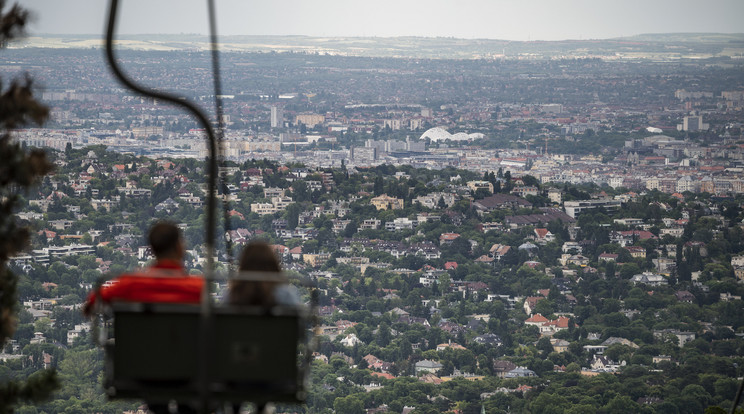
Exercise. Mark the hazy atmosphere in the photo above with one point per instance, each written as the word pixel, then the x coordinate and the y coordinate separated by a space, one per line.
pixel 403 207
pixel 510 20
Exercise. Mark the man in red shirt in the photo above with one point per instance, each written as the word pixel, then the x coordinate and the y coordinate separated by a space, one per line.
pixel 166 281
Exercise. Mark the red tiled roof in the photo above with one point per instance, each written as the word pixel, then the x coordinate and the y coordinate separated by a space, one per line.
pixel 448 236
pixel 561 322
pixel 383 375
pixel 537 318
pixel 278 248
pixel 642 234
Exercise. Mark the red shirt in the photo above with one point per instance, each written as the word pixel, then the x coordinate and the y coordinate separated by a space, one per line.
pixel 164 282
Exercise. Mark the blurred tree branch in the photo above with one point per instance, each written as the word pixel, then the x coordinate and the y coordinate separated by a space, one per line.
pixel 19 170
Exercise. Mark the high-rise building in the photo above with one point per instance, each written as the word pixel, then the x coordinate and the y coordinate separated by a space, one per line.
pixel 277 117
pixel 309 120
pixel 363 155
pixel 415 146
pixel 692 123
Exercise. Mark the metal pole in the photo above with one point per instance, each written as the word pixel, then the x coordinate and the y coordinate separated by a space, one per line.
pixel 211 183
pixel 738 397
pixel 219 112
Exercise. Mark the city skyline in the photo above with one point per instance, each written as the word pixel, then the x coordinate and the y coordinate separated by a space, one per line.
pixel 538 20
pixel 473 225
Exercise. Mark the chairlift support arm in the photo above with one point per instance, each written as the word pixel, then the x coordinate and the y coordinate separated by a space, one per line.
pixel 183 103
pixel 211 180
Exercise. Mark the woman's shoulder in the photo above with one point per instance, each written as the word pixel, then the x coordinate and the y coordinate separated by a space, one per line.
pixel 286 294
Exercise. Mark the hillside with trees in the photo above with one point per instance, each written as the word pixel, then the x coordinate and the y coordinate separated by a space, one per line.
pixel 443 301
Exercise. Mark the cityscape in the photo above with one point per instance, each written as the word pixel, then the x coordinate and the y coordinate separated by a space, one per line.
pixel 515 227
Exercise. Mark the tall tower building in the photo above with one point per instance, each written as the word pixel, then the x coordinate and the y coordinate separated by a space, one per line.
pixel 692 123
pixel 277 117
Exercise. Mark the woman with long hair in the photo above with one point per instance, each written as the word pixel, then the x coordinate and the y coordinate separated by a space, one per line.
pixel 265 285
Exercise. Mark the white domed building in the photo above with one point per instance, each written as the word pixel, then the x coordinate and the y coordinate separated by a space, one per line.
pixel 440 134
pixel 436 134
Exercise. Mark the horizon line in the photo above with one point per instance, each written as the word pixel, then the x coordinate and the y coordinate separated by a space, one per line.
pixel 43 35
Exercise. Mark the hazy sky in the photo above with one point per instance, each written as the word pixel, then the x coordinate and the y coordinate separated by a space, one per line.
pixel 494 19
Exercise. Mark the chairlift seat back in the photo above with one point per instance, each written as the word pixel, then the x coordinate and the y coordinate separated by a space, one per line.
pixel 252 354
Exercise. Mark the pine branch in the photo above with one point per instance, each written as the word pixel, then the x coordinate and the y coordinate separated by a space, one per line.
pixel 37 388
pixel 18 171
pixel 12 23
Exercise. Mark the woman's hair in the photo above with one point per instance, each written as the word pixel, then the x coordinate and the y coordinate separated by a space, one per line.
pixel 257 256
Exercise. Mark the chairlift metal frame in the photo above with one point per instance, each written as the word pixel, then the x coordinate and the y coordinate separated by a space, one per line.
pixel 210 379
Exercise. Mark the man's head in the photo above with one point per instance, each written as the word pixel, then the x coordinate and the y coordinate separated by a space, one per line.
pixel 166 242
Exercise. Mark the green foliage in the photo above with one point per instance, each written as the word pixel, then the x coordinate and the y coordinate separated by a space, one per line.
pixel 19 170
pixel 37 387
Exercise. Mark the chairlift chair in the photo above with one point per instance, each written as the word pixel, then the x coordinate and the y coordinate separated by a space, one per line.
pixel 154 354
pixel 204 355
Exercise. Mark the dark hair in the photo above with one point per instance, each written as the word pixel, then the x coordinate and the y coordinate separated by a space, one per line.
pixel 164 238
pixel 257 256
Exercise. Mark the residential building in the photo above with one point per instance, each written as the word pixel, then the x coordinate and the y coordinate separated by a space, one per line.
pixel 385 202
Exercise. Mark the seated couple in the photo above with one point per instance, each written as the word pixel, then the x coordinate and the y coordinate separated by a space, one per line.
pixel 166 280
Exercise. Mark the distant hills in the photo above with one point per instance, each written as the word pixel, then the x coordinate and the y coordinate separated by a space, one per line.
pixel 665 46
